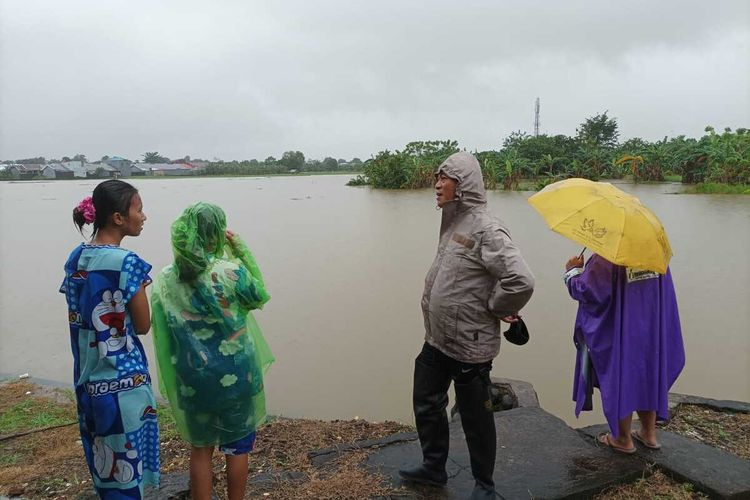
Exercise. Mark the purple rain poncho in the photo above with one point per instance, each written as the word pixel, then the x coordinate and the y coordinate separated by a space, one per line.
pixel 629 322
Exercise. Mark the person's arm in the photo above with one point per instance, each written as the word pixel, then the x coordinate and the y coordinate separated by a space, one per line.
pixel 591 285
pixel 237 249
pixel 250 291
pixel 140 315
pixel 515 282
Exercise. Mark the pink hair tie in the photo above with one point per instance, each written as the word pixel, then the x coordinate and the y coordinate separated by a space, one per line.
pixel 86 207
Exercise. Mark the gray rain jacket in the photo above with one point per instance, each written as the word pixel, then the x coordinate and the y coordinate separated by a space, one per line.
pixel 478 274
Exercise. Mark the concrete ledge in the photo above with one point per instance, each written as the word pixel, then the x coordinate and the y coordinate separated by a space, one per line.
pixel 538 456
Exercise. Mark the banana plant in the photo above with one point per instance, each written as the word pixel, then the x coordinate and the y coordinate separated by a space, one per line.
pixel 634 161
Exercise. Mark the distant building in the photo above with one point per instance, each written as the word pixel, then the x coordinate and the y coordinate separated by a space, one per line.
pixel 169 169
pixel 25 171
pixel 14 171
pixel 99 170
pixel 57 171
pixel 139 170
pixel 76 166
pixel 123 165
pixel 197 165
pixel 5 167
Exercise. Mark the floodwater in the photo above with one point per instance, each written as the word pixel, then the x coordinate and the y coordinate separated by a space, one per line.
pixel 345 267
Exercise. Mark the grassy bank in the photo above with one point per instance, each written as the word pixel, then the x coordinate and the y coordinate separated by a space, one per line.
pixel 717 188
pixel 41 455
pixel 727 431
pixel 656 485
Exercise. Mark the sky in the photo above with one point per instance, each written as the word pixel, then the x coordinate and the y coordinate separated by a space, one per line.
pixel 250 79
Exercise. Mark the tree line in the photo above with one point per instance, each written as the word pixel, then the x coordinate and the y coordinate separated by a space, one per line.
pixel 593 153
pixel 290 161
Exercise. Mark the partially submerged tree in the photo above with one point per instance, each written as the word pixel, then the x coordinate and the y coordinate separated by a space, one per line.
pixel 599 130
pixel 293 160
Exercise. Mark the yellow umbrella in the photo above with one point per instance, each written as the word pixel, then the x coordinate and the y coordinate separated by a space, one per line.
pixel 609 221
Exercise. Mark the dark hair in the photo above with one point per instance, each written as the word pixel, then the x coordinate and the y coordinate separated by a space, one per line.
pixel 109 197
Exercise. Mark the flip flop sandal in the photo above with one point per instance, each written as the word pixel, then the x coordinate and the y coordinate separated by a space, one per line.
pixel 604 439
pixel 637 436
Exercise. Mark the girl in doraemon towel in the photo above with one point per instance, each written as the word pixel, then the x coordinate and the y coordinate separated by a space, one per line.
pixel 107 307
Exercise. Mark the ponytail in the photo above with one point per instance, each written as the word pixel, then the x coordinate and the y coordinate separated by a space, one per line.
pixel 109 197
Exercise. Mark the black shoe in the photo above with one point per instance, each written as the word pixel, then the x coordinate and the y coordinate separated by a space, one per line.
pixel 482 492
pixel 421 474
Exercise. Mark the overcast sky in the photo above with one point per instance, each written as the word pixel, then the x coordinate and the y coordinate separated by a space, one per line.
pixel 248 79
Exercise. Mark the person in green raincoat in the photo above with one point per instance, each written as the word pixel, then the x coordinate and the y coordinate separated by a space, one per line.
pixel 211 353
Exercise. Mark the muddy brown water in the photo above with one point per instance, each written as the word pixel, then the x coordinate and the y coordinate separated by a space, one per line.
pixel 345 267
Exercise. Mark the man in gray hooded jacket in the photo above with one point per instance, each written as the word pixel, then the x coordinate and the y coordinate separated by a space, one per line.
pixel 478 278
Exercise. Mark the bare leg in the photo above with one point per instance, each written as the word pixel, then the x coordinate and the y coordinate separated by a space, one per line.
pixel 648 426
pixel 201 475
pixel 624 440
pixel 236 476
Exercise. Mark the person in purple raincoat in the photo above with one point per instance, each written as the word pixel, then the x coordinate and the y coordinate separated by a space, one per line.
pixel 629 346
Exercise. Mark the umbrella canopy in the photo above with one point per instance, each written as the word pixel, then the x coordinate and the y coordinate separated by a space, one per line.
pixel 611 222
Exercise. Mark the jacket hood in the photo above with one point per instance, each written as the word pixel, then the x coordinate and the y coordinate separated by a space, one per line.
pixel 464 167
pixel 470 193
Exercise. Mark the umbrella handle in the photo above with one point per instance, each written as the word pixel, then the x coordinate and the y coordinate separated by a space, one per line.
pixel 580 256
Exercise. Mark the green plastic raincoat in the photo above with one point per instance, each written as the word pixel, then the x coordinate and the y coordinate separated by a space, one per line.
pixel 211 353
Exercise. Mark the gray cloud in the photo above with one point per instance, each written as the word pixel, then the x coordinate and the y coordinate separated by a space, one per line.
pixel 238 79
